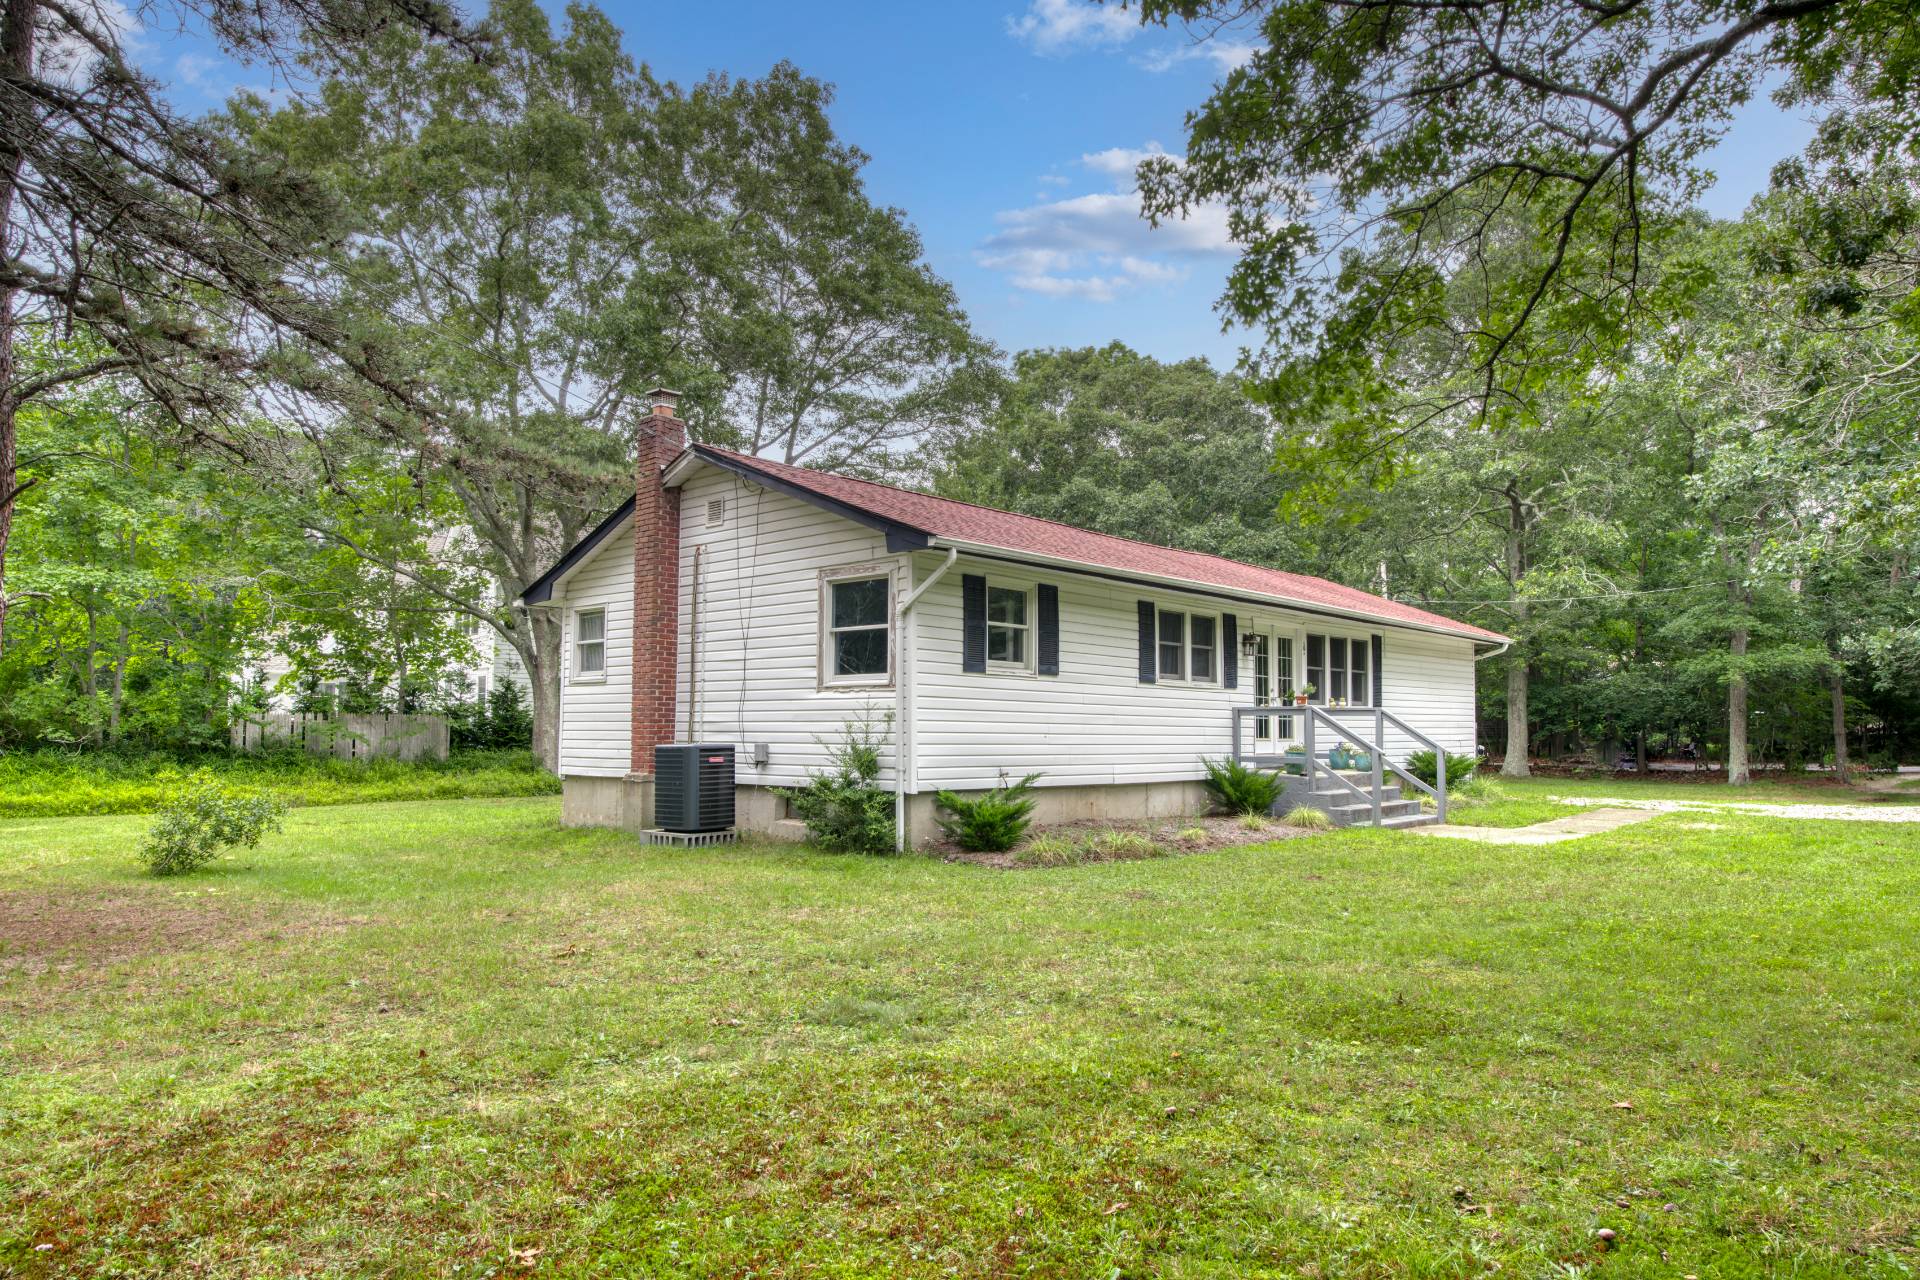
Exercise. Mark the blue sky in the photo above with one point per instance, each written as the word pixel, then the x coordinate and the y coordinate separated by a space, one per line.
pixel 1007 130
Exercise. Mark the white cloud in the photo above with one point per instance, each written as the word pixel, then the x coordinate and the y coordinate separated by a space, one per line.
pixel 196 69
pixel 1225 55
pixel 1058 26
pixel 1096 247
pixel 1119 163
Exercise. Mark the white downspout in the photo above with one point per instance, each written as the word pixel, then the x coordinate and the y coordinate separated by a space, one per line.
pixel 900 702
pixel 1492 653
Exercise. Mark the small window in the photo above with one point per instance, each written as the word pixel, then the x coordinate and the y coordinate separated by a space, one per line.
pixel 1202 646
pixel 716 512
pixel 590 644
pixel 1173 645
pixel 1007 626
pixel 857 629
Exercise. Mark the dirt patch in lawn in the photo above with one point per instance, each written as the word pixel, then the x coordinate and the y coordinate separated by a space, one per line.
pixel 67 929
pixel 1065 844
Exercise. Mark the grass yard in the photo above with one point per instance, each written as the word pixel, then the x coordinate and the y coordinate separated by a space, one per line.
pixel 48 784
pixel 1495 801
pixel 451 1039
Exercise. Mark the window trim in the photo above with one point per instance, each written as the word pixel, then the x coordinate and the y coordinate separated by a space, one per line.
pixel 827 681
pixel 1030 629
pixel 577 675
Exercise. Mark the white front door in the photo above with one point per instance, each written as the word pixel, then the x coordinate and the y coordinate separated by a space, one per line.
pixel 1273 683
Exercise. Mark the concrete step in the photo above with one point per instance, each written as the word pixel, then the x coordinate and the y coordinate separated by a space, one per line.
pixel 1340 795
pixel 1349 815
pixel 1412 820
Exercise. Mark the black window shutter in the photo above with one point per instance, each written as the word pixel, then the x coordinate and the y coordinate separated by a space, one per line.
pixel 1149 662
pixel 1049 650
pixel 1229 651
pixel 973 623
pixel 1379 680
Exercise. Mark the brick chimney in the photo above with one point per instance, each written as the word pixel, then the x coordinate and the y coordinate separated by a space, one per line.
pixel 656 580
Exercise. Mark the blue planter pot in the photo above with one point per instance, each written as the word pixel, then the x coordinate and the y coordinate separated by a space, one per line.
pixel 1337 757
pixel 1295 763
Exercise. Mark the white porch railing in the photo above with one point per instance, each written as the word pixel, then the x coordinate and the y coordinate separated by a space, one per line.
pixel 1339 720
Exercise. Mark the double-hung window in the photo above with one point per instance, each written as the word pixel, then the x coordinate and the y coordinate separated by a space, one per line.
pixel 1009 626
pixel 590 644
pixel 857 633
pixel 1173 645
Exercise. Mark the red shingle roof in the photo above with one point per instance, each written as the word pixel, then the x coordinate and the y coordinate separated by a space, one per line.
pixel 965 522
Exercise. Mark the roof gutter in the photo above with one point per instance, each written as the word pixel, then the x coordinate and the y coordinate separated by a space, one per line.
pixel 900 702
pixel 1494 652
pixel 1144 578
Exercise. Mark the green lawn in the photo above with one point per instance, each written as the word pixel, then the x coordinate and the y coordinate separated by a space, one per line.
pixel 52 784
pixel 1507 802
pixel 435 1038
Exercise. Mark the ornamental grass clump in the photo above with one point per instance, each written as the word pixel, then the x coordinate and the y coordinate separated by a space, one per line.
pixel 989 823
pixel 204 819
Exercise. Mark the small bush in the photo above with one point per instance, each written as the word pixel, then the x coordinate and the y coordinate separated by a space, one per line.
pixel 1459 768
pixel 1241 788
pixel 991 823
pixel 1308 818
pixel 1050 851
pixel 1254 822
pixel 1192 834
pixel 843 809
pixel 204 819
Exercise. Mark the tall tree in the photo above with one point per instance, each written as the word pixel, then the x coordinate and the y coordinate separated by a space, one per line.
pixel 552 231
pixel 1372 149
pixel 1109 439
pixel 173 248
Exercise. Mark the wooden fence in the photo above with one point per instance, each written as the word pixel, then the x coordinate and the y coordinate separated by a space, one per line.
pixel 346 736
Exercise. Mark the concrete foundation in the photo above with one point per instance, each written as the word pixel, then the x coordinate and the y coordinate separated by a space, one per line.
pixel 627 803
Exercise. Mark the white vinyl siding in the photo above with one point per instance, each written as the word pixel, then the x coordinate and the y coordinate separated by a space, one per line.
pixel 759 664
pixel 1096 723
pixel 596 714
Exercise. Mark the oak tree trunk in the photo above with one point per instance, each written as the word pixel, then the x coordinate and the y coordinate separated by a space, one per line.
pixel 1515 764
pixel 1738 771
pixel 1841 766
pixel 16 63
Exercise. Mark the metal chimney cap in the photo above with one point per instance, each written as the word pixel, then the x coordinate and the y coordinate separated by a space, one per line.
pixel 664 400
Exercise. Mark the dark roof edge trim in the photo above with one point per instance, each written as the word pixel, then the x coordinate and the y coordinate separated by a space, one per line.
pixel 900 537
pixel 540 590
pixel 1221 593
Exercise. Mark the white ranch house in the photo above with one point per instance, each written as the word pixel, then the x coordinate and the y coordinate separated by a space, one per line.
pixel 742 601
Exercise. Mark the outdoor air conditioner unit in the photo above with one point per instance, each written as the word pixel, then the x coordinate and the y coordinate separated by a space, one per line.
pixel 692 787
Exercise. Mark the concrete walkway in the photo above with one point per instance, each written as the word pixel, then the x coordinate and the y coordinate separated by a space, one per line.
pixel 1831 812
pixel 1580 824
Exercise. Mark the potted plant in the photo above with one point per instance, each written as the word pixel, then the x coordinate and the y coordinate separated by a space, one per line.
pixel 1300 696
pixel 1337 755
pixel 1358 759
pixel 1294 760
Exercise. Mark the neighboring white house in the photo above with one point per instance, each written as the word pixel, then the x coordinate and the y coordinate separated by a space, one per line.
pixel 492 662
pixel 776 604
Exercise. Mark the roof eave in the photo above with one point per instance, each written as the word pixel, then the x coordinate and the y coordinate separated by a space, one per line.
pixel 967 547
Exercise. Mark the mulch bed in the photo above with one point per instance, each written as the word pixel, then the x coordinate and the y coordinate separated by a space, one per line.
pixel 1173 836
